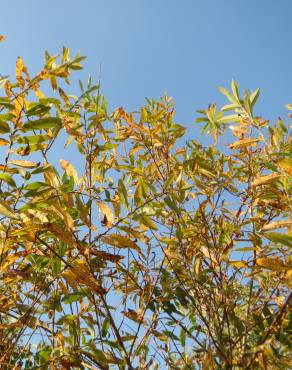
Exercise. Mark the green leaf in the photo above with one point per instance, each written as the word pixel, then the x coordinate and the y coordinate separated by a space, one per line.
pixel 8 179
pixel 4 128
pixel 123 193
pixel 247 105
pixel 45 354
pixel 234 87
pixel 6 102
pixel 229 119
pixel 34 139
pixel 228 95
pixel 105 327
pixel 280 238
pixel 73 297
pixel 35 185
pixel 171 204
pixel 145 220
pixel 66 319
pixel 182 337
pixel 228 107
pixel 49 122
pixel 254 97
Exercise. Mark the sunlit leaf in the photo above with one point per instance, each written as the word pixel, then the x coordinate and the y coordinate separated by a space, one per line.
pixel 270 263
pixel 70 170
pixel 44 123
pixel 25 164
pixel 108 216
pixel 243 143
pixel 5 210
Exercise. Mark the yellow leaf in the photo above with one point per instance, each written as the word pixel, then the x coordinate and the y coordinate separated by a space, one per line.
pixel 64 215
pixel 289 275
pixel 4 142
pixel 25 164
pixel 243 143
pixel 70 278
pixel 51 177
pixel 70 170
pixel 6 211
pixel 8 169
pixel 262 180
pixel 71 127
pixel 64 235
pixel 274 264
pixel 19 107
pixel 16 324
pixel 133 315
pixel 84 276
pixel 9 260
pixel 207 253
pixel 277 225
pixel 30 214
pixel 286 165
pixel 134 150
pixel 68 199
pixel 19 67
pixel 120 241
pixel 63 287
pixel 239 264
pixel 64 96
pixel 83 213
pixel 172 256
pixel 107 213
pixel 2 38
pixel 39 94
pixel 280 300
pixel 161 336
pixel 54 82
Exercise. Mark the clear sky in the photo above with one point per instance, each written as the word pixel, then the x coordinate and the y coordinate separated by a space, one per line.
pixel 185 48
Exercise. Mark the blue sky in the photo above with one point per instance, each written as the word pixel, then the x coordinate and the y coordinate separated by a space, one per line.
pixel 185 48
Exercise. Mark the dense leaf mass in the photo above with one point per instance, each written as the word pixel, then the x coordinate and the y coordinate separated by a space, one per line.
pixel 149 251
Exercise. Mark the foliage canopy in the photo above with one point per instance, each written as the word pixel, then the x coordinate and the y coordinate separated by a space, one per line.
pixel 149 252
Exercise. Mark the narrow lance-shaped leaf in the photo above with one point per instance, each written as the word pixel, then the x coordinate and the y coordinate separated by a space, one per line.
pixel 120 241
pixel 6 210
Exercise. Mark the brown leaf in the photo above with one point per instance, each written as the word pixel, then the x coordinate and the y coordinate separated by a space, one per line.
pixel 105 256
pixel 84 276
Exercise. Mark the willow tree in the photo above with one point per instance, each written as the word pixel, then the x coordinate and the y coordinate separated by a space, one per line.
pixel 141 250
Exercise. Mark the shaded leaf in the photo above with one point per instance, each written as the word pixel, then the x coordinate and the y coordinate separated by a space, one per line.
pixel 120 241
